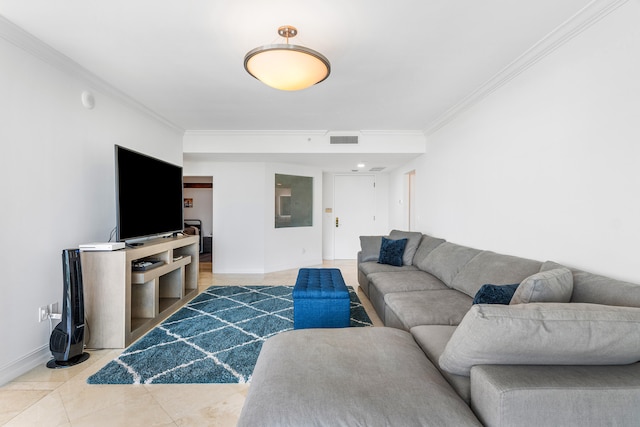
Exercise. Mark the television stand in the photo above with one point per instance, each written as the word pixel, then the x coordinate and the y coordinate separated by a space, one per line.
pixel 121 304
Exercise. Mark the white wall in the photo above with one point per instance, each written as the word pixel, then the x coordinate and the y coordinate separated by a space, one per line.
pixel 238 214
pixel 57 188
pixel 301 142
pixel 397 198
pixel 245 239
pixel 292 247
pixel 547 166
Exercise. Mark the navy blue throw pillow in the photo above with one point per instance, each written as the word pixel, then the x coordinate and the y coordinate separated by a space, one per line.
pixel 391 251
pixel 495 294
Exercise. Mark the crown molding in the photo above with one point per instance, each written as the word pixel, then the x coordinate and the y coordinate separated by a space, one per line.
pixel 214 132
pixel 228 132
pixel 34 46
pixel 414 132
pixel 582 20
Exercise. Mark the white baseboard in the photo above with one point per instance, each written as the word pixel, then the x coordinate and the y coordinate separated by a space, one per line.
pixel 23 365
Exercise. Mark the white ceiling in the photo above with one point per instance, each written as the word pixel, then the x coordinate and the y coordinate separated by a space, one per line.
pixel 396 65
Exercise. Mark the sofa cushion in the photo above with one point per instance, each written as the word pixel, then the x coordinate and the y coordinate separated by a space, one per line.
pixel 494 268
pixel 391 251
pixel 427 244
pixel 550 265
pixel 547 286
pixel 433 339
pixel 596 289
pixel 593 288
pixel 329 377
pixel 387 281
pixel 383 283
pixel 534 396
pixel 370 248
pixel 495 294
pixel 375 267
pixel 413 240
pixel 543 334
pixel 447 260
pixel 404 310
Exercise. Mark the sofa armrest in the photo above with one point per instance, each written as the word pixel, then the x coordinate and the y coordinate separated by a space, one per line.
pixel 525 395
pixel 369 248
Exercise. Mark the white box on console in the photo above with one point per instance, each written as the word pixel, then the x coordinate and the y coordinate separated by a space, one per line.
pixel 101 246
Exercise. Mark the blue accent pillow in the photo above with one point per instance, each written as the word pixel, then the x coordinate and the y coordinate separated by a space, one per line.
pixel 391 251
pixel 495 294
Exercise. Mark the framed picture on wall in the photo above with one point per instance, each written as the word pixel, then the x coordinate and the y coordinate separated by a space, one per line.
pixel 188 203
pixel 293 201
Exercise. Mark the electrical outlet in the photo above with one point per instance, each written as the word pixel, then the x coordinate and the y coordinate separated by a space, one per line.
pixel 53 308
pixel 43 313
pixel 54 311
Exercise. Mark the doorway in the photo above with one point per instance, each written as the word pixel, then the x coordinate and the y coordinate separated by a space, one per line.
pixel 354 207
pixel 411 197
pixel 198 215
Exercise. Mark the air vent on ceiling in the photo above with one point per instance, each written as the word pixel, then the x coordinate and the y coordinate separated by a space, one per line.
pixel 343 139
pixel 377 169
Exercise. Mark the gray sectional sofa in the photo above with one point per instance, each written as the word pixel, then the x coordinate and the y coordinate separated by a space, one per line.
pixel 564 352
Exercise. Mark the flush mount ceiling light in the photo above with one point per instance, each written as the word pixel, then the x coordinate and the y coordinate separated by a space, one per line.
pixel 287 66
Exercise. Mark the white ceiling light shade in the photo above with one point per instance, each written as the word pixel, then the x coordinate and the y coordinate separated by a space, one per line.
pixel 287 66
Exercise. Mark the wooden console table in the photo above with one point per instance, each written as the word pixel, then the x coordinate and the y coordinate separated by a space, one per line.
pixel 121 304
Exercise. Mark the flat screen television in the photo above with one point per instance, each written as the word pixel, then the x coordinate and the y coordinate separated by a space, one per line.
pixel 148 195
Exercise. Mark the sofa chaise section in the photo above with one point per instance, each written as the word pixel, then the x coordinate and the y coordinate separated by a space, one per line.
pixel 349 377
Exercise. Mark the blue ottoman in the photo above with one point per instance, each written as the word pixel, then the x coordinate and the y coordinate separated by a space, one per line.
pixel 321 299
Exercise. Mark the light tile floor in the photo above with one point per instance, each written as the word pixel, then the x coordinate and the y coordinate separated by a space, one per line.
pixel 48 397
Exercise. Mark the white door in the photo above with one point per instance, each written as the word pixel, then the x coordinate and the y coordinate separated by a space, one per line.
pixel 354 207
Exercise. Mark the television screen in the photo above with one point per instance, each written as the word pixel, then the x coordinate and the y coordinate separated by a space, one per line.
pixel 148 195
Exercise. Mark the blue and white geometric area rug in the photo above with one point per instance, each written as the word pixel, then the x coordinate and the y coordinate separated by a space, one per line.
pixel 215 338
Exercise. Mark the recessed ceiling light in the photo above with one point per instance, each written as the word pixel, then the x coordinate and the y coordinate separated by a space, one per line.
pixel 361 165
